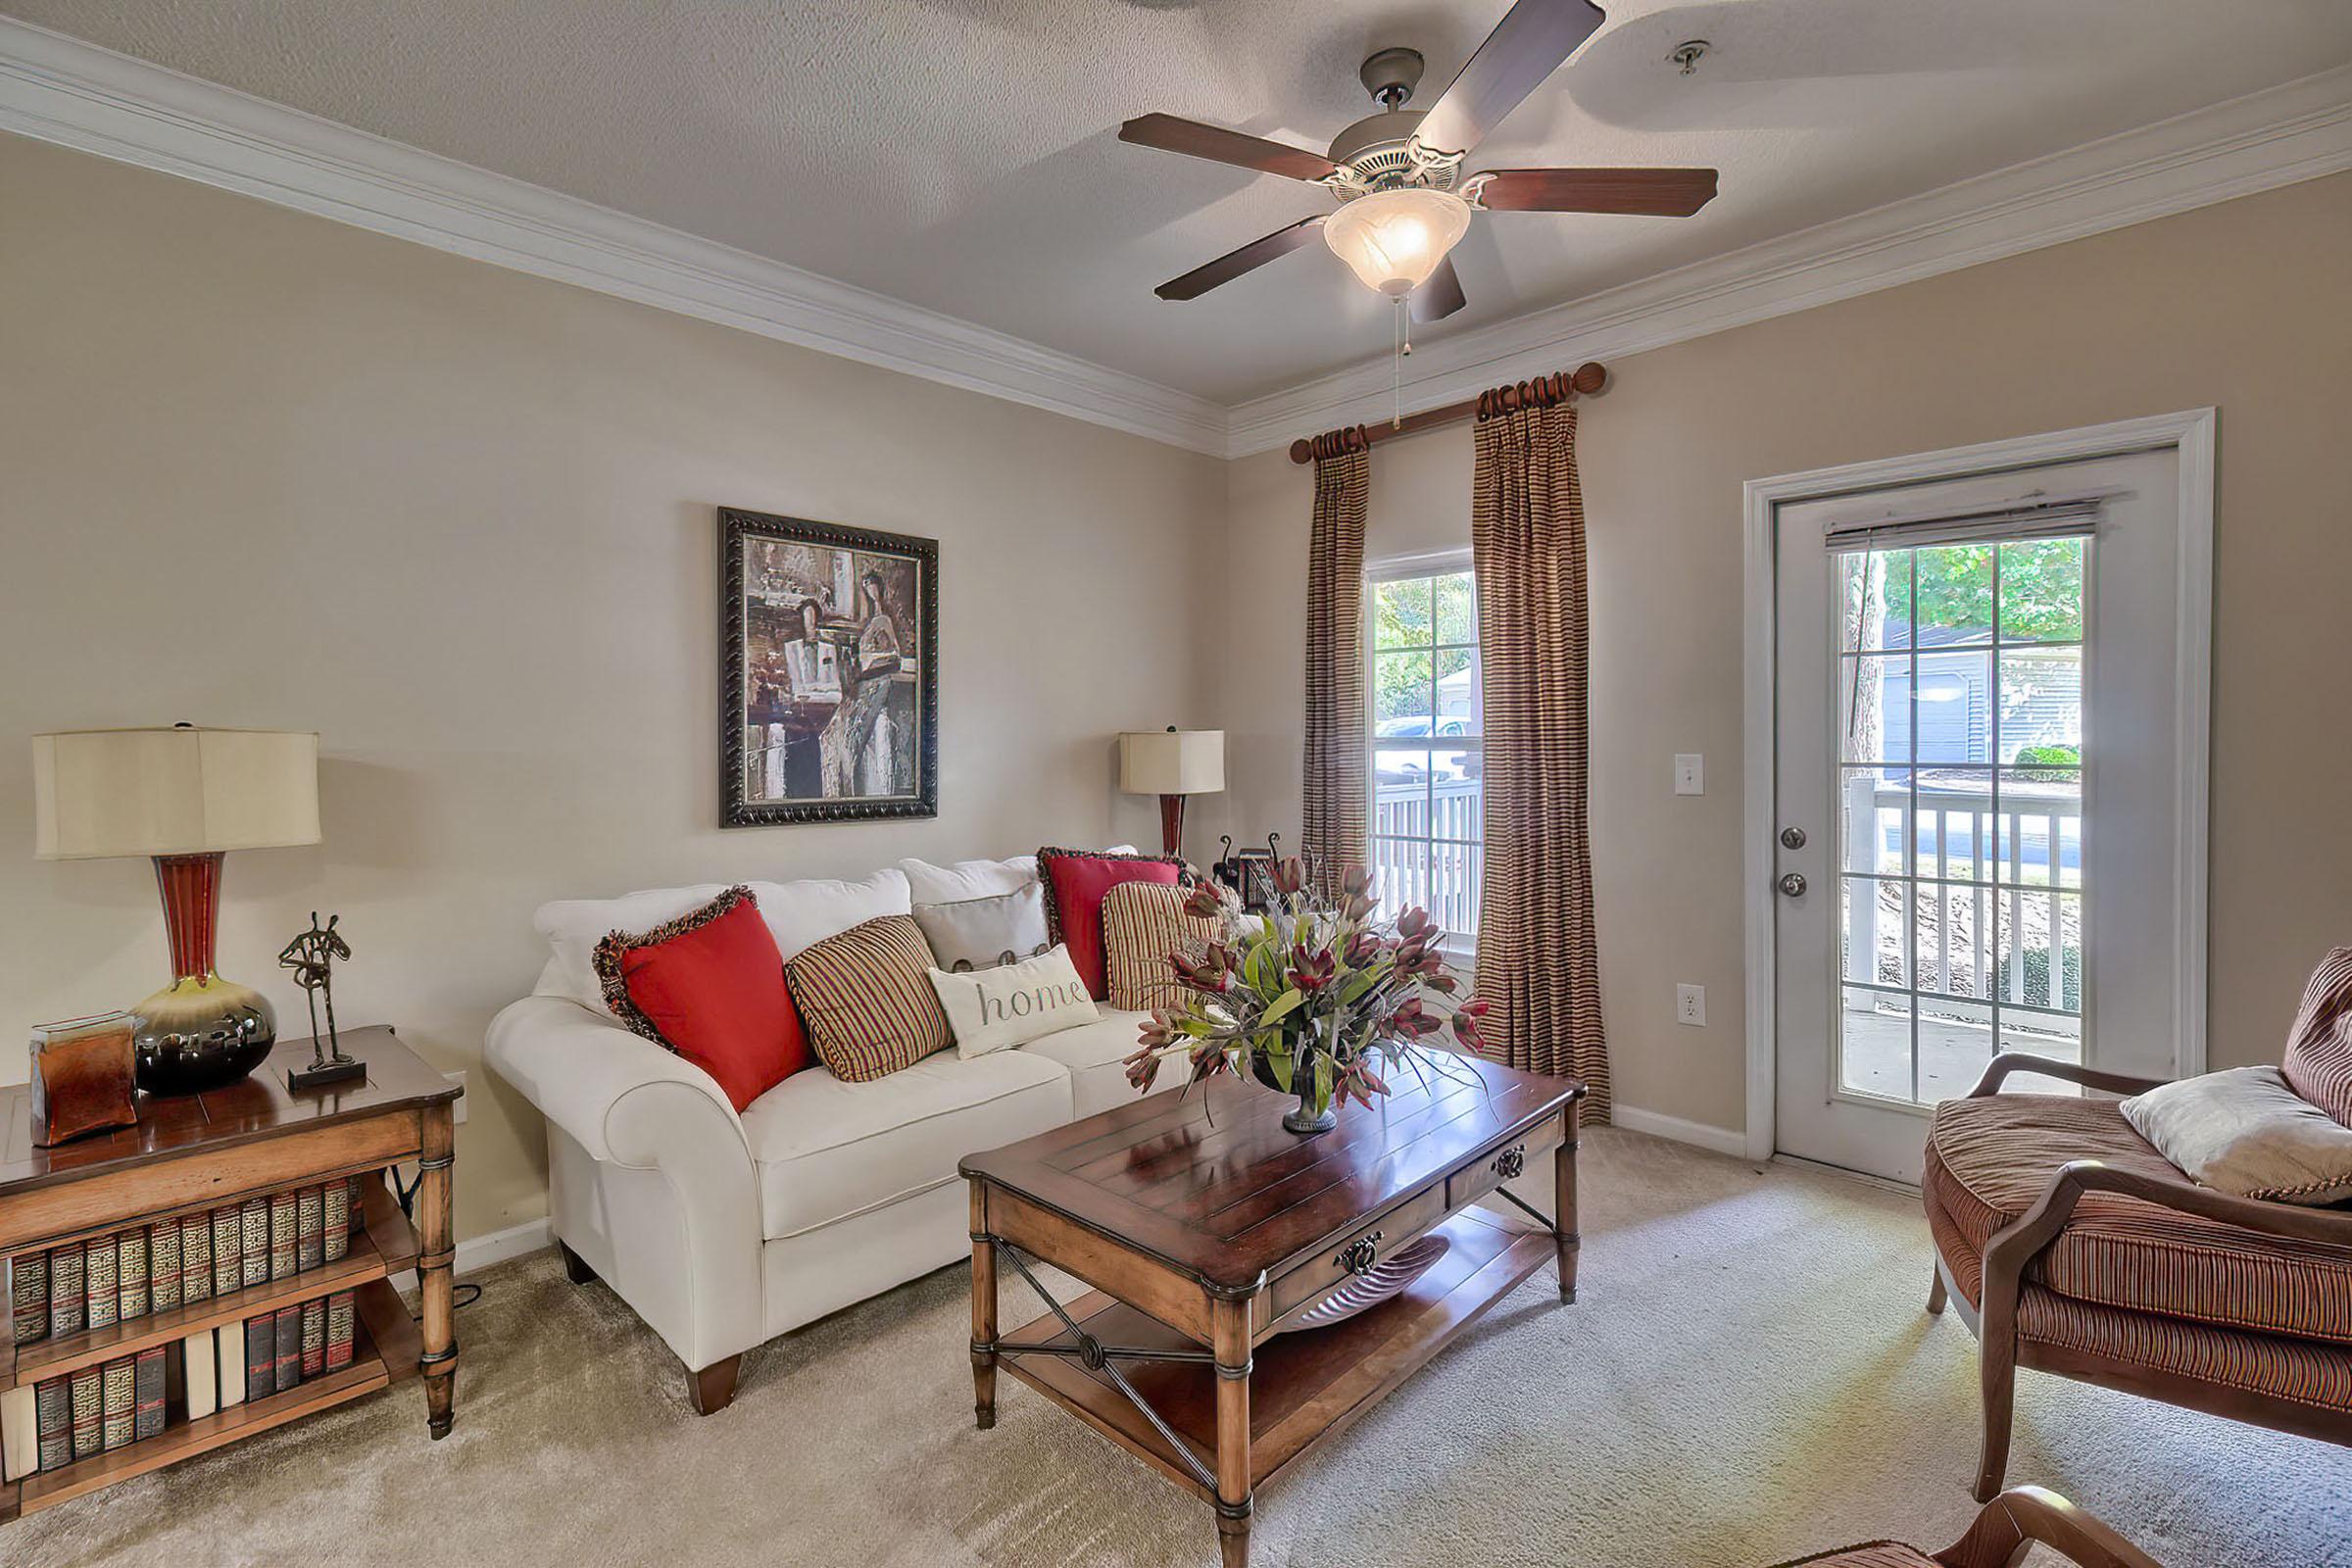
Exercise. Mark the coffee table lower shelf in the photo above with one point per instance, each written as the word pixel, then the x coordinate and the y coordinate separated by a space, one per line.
pixel 1303 1387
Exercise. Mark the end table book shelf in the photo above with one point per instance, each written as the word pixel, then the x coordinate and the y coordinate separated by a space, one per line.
pixel 211 1227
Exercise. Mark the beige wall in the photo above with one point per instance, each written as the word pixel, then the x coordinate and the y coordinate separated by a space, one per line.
pixel 259 468
pixel 2238 306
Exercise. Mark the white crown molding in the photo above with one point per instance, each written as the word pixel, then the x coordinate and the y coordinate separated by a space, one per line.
pixel 75 94
pixel 2299 130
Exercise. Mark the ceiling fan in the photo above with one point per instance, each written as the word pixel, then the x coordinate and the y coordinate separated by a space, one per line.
pixel 1398 174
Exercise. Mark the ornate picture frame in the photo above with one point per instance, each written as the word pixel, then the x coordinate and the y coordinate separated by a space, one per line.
pixel 829 689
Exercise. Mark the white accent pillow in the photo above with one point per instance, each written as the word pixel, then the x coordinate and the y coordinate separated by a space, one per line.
pixel 990 1009
pixel 985 933
pixel 798 914
pixel 2244 1131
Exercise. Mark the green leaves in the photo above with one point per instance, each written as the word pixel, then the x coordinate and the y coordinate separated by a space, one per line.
pixel 1282 1006
pixel 1278 1057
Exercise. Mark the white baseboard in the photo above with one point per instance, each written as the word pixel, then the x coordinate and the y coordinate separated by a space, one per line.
pixel 1722 1140
pixel 480 1251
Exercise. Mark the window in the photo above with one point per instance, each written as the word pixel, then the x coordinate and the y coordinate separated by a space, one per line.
pixel 1427 739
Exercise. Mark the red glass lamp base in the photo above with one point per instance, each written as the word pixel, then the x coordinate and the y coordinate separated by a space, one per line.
pixel 1171 825
pixel 200 1032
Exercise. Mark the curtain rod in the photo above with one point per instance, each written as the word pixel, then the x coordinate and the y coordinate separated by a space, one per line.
pixel 1587 379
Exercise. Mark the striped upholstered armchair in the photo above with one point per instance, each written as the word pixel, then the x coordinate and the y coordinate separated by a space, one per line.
pixel 2074 1248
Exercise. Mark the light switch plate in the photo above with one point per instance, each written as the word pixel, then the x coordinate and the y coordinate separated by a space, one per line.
pixel 1689 773
pixel 1690 1005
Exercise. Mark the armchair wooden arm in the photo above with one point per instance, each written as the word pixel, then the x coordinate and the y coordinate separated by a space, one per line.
pixel 2009 1061
pixel 2013 1522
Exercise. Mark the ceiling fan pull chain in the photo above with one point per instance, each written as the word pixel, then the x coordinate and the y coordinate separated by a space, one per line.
pixel 1396 366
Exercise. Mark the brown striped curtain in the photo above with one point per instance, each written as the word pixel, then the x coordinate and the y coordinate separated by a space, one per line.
pixel 1536 953
pixel 1335 834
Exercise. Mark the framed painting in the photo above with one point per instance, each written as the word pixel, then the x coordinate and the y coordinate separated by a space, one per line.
pixel 828 673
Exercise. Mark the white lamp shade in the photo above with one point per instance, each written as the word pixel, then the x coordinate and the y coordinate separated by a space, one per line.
pixel 1394 239
pixel 181 791
pixel 1172 761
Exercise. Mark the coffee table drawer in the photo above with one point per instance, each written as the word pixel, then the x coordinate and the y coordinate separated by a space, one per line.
pixel 1491 1170
pixel 1357 1252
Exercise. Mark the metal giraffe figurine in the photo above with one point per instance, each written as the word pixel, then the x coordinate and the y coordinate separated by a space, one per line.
pixel 310 956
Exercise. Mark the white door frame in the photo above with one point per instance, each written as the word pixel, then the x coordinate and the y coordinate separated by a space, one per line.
pixel 2190 436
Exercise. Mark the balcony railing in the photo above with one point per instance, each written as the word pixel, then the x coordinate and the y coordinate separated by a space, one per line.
pixel 1425 849
pixel 1995 878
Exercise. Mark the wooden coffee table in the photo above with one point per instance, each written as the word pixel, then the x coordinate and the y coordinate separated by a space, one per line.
pixel 1206 1231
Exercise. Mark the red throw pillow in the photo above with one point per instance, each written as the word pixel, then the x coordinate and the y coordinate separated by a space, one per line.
pixel 710 986
pixel 1076 883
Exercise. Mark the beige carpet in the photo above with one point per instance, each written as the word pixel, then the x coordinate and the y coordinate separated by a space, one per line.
pixel 1748 1376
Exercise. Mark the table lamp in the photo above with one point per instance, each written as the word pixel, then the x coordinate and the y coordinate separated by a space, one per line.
pixel 1173 763
pixel 185 796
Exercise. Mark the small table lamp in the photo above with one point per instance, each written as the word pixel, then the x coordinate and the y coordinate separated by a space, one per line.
pixel 185 796
pixel 1171 764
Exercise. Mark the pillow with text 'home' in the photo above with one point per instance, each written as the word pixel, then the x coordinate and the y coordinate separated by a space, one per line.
pixel 991 1009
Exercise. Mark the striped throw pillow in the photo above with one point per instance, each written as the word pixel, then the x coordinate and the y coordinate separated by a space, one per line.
pixel 866 1000
pixel 2319 1049
pixel 1142 923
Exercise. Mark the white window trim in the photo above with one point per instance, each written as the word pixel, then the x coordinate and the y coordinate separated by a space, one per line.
pixel 1460 947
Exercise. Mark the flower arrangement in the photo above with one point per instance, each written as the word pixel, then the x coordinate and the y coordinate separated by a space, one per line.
pixel 1314 999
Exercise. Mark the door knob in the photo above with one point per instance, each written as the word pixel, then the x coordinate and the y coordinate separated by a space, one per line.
pixel 1794 884
pixel 1793 838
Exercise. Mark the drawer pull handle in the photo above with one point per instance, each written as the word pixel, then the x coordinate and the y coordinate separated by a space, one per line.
pixel 1511 1162
pixel 1359 1255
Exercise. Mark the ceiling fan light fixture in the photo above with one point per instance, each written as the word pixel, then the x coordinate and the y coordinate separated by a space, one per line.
pixel 1394 239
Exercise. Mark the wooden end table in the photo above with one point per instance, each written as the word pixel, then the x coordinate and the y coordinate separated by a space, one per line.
pixel 1206 1230
pixel 194 1152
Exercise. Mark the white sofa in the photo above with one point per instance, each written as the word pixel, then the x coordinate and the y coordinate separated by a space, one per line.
pixel 722 1230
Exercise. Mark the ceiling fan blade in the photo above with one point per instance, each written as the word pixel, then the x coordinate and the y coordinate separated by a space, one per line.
pixel 1533 37
pixel 1233 263
pixel 1214 142
pixel 1647 192
pixel 1439 295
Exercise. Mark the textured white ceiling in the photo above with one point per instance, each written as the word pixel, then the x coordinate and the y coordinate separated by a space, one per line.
pixel 960 154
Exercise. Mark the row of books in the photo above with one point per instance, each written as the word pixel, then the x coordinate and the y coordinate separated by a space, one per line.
pixel 179 1261
pixel 98 1409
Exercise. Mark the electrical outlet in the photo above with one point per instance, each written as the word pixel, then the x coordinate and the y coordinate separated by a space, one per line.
pixel 1690 1005
pixel 1689 773
pixel 458 1112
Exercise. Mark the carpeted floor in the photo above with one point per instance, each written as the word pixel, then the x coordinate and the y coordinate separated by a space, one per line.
pixel 1748 1376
